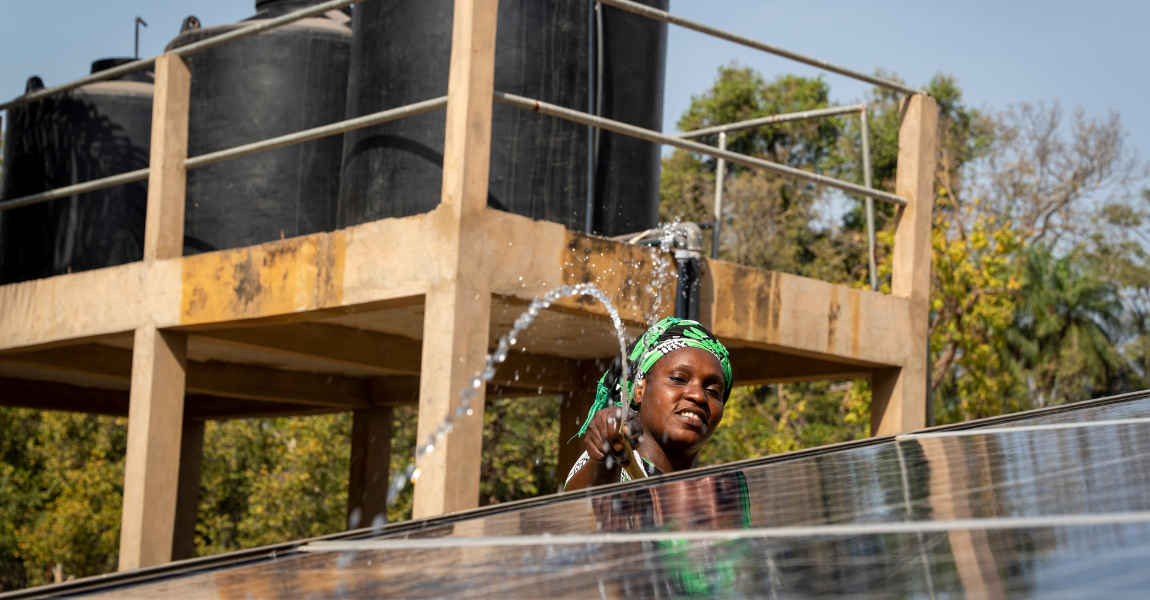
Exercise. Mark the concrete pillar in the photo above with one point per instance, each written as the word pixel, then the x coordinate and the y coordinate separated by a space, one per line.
pixel 899 398
pixel 155 421
pixel 164 224
pixel 370 459
pixel 188 490
pixel 572 412
pixel 458 301
pixel 159 358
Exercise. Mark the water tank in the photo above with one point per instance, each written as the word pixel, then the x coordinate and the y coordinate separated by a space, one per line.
pixel 95 131
pixel 401 54
pixel 278 82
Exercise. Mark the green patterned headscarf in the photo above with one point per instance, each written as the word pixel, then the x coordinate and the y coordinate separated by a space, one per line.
pixel 661 339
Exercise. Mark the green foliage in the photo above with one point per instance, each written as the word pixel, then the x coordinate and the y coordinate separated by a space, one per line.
pixel 263 481
pixel 61 487
pixel 762 420
pixel 1012 326
pixel 520 449
pixel 266 481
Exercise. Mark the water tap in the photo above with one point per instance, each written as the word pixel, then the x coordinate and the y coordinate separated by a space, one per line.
pixel 687 241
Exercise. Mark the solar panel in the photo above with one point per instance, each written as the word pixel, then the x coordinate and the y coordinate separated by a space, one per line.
pixel 1052 506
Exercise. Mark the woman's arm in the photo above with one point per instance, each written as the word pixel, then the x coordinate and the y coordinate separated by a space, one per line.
pixel 604 446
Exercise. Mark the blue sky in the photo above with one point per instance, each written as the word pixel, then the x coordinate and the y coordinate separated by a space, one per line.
pixel 1088 54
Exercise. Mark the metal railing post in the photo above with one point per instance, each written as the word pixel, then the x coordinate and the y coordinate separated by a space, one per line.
pixel 868 177
pixel 720 175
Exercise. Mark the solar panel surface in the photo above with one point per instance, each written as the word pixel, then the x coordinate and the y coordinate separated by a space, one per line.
pixel 984 512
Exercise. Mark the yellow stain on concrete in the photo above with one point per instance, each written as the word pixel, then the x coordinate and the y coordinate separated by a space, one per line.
pixel 289 276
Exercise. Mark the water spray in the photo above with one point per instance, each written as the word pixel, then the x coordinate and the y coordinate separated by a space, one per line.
pixel 494 359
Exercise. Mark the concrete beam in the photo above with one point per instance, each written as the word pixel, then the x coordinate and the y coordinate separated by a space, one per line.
pixel 208 378
pixel 760 367
pixel 50 395
pixel 382 353
pixel 797 315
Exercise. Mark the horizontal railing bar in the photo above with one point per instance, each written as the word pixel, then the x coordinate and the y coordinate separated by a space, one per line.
pixel 316 133
pixel 666 17
pixel 199 46
pixel 670 140
pixel 79 188
pixel 781 118
pixel 238 151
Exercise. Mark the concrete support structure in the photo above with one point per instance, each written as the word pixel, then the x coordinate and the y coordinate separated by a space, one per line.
pixel 458 308
pixel 899 394
pixel 402 311
pixel 151 469
pixel 164 227
pixel 188 489
pixel 370 458
pixel 159 357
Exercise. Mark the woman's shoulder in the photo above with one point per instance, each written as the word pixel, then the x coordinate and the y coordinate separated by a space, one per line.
pixel 583 459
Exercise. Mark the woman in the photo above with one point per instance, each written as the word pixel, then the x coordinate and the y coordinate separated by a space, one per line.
pixel 681 377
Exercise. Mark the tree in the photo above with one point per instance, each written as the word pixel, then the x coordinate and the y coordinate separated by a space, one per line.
pixel 769 220
pixel 1059 333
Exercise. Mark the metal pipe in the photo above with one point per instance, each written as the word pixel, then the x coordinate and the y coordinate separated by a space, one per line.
pixel 238 151
pixel 781 118
pixel 720 175
pixel 590 108
pixel 199 46
pixel 139 22
pixel 316 133
pixel 868 177
pixel 667 17
pixel 670 140
pixel 79 188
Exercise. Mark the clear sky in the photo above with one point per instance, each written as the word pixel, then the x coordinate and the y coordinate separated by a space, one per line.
pixel 1088 54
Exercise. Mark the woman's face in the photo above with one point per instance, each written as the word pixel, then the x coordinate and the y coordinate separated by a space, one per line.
pixel 681 399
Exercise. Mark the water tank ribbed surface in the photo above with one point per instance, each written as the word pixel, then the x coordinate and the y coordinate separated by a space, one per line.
pixel 95 131
pixel 401 54
pixel 278 82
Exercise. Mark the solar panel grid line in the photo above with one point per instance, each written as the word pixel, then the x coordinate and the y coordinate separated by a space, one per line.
pixel 1077 520
pixel 998 487
pixel 1022 428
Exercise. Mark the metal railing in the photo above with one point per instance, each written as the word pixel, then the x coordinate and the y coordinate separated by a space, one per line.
pixel 236 152
pixel 666 17
pixel 193 48
pixel 868 174
pixel 679 141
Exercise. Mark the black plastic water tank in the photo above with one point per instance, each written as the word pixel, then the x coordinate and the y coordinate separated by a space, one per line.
pixel 401 54
pixel 95 131
pixel 278 82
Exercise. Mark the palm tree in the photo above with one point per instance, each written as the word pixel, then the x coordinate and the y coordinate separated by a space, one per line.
pixel 1060 332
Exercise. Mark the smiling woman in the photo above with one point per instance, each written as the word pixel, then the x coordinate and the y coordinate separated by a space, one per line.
pixel 682 378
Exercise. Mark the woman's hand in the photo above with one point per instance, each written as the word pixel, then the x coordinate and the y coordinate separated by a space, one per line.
pixel 603 439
